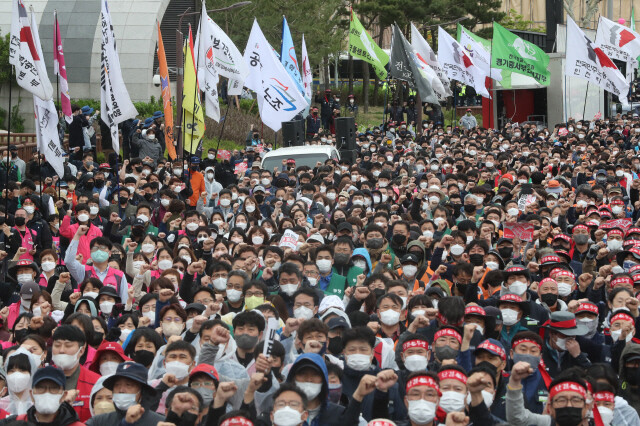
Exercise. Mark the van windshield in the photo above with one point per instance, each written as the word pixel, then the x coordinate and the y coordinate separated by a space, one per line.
pixel 309 160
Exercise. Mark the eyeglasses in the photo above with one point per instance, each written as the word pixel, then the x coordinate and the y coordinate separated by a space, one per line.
pixel 292 404
pixel 562 401
pixel 205 301
pixel 254 293
pixel 172 319
pixel 53 388
pixel 96 248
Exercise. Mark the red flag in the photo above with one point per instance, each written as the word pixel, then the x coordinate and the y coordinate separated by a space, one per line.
pixel 60 70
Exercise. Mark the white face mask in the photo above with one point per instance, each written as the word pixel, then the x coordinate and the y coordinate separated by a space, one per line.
pixel 165 202
pixel 24 278
pixel 312 390
pixel 492 265
pixel 66 362
pixel 564 289
pixel 148 248
pixel 422 411
pixel 124 401
pixel 518 287
pixel 250 208
pixel 416 363
pixel 18 381
pixel 509 316
pixel 606 414
pixel 303 313
pixel 359 362
pixel 452 401
pixel 220 284
pixel 289 289
pixel 124 333
pixel 457 250
pixel 410 270
pixel 108 368
pixel 312 281
pixel 615 336
pixel 94 210
pixel 324 265
pixel 165 264
pixel 48 266
pixel 192 226
pixel 234 295
pixel 106 307
pixel 171 329
pixel 178 369
pixel 47 403
pixel 287 416
pixel 390 317
pixel 151 315
pixel 513 211
pixel 93 294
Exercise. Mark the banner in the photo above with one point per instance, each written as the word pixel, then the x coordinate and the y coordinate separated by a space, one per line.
pixel 278 98
pixel 289 240
pixel 115 104
pixel 362 46
pixel 522 230
pixel 624 224
pixel 31 73
pixel 405 65
pixel 192 109
pixel 479 50
pixel 223 55
pixel 458 65
pixel 617 41
pixel 288 56
pixel 588 61
pixel 165 87
pixel 240 168
pixel 512 53
pixel 207 72
pixel 60 70
pixel 46 119
pixel 427 56
pixel 224 154
pixel 307 76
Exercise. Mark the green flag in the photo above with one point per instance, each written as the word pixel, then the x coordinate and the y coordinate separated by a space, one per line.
pixel 632 26
pixel 512 53
pixel 502 76
pixel 361 46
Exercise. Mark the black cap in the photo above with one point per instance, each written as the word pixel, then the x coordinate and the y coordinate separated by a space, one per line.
pixel 49 372
pixel 337 322
pixel 409 257
pixel 133 371
pixel 345 226
pixel 138 223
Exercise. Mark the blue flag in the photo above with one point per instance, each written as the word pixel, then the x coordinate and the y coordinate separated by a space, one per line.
pixel 288 56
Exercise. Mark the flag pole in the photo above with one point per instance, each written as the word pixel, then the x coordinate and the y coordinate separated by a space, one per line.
pixel 6 182
pixel 584 109
pixel 223 123
pixel 55 54
pixel 386 93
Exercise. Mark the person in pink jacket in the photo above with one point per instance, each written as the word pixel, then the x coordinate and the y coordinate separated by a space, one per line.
pixel 68 230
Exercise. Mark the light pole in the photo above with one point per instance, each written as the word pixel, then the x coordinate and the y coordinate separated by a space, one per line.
pixel 180 63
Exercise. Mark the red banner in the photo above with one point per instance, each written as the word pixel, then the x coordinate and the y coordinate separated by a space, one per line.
pixel 224 154
pixel 524 231
pixel 624 223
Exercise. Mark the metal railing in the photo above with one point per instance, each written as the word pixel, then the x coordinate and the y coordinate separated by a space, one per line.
pixel 26 142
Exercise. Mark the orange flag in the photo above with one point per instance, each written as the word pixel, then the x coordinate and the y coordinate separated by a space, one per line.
pixel 166 98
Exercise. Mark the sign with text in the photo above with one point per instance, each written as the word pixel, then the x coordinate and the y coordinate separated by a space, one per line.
pixel 289 240
pixel 224 154
pixel 241 168
pixel 624 223
pixel 270 336
pixel 524 231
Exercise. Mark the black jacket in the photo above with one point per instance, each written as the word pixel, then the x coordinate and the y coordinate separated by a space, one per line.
pixel 66 416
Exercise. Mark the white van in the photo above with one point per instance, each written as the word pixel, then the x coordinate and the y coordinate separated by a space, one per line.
pixel 303 155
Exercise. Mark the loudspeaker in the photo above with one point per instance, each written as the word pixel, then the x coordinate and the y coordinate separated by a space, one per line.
pixel 293 133
pixel 346 138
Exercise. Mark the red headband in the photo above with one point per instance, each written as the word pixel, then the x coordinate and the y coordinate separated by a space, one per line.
pixel 474 309
pixel 551 259
pixel 565 273
pixel 423 381
pixel 568 387
pixel 533 342
pixel 452 374
pixel 448 332
pixel 415 344
pixel 633 231
pixel 514 298
pixel 237 421
pixel 604 397
pixel 621 280
pixel 615 232
pixel 562 237
pixel 548 280
pixel 580 227
pixel 587 307
pixel 621 316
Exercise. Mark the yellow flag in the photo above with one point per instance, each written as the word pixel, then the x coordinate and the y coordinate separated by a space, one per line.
pixel 192 109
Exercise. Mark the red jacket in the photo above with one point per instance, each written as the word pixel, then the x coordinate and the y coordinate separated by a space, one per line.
pixel 68 230
pixel 86 380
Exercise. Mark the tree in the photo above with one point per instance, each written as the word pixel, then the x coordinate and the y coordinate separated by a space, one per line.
pixel 515 21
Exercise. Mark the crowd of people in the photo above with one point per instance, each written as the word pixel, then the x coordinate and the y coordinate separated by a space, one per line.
pixel 450 276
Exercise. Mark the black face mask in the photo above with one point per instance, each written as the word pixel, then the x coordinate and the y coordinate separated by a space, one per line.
pixel 379 292
pixel 143 357
pixel 398 240
pixel 456 208
pixel 259 198
pixel 549 299
pixel 124 201
pixel 335 345
pixel 488 365
pixel 462 288
pixel 97 338
pixel 568 416
pixel 477 259
pixel 148 197
pixel 19 221
pixel 138 169
pixel 186 419
pixel 88 185
pixel 505 253
pixel 99 183
pixel 20 334
pixel 469 208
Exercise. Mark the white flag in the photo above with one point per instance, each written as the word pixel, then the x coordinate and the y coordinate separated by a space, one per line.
pixel 307 76
pixel 457 64
pixel 31 72
pixel 47 133
pixel 115 104
pixel 618 41
pixel 46 118
pixel 206 64
pixel 479 55
pixel 587 60
pixel 278 97
pixel 427 56
pixel 224 55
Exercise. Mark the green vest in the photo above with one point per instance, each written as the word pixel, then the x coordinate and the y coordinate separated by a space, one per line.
pixel 336 285
pixel 352 275
pixel 150 230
